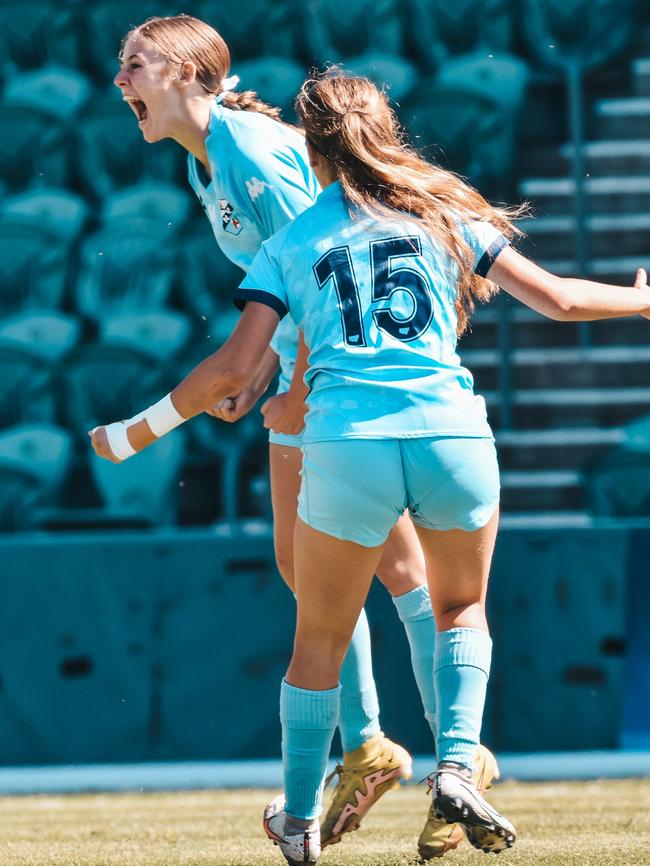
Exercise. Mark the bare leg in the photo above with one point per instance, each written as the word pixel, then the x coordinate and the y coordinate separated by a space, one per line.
pixel 402 566
pixel 284 465
pixel 332 582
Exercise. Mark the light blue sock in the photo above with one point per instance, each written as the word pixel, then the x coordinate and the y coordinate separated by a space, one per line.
pixel 359 715
pixel 414 610
pixel 308 724
pixel 462 668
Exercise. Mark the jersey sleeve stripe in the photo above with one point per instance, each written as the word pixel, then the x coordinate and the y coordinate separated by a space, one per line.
pixel 242 296
pixel 487 259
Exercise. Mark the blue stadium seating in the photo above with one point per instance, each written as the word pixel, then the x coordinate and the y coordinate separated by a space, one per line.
pixel 438 29
pixel 144 492
pixel 59 210
pixel 125 267
pixel 163 204
pixel 52 89
pixel 34 460
pixel 207 278
pixel 33 264
pixel 110 151
pixel 33 149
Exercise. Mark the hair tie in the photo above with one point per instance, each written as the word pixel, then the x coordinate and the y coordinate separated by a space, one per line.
pixel 227 84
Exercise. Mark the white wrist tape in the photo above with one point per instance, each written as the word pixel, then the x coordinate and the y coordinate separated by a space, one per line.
pixel 119 441
pixel 161 418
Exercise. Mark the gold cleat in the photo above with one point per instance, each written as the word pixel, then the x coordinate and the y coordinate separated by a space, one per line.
pixel 366 774
pixel 437 836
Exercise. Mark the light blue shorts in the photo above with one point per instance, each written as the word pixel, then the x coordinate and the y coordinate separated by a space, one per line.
pixel 285 439
pixel 356 489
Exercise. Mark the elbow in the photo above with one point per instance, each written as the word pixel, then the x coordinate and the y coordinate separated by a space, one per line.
pixel 563 306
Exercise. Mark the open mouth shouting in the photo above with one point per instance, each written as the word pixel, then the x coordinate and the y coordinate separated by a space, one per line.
pixel 138 107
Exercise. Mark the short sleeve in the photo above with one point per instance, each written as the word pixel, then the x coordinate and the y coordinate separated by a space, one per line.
pixel 486 242
pixel 263 283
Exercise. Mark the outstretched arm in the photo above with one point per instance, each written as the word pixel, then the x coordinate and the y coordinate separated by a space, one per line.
pixel 566 299
pixel 223 373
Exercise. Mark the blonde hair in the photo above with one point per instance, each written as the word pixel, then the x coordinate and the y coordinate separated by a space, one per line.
pixel 350 122
pixel 182 37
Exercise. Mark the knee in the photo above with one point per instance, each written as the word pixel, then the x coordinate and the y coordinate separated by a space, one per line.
pixel 401 574
pixel 284 563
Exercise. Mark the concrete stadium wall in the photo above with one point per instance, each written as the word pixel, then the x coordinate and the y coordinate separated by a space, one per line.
pixel 136 647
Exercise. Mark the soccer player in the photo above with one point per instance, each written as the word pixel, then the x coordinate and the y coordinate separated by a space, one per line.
pixel 252 176
pixel 380 274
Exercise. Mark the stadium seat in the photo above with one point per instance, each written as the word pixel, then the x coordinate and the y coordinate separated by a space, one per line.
pixel 34 461
pixel 207 278
pixel 27 386
pixel 49 335
pixel 561 32
pixel 252 29
pixel 143 492
pixel 160 333
pixel 501 77
pixel 110 150
pixel 388 71
pixel 125 267
pixel 460 128
pixel 52 89
pixel 277 80
pixel 336 30
pixel 155 201
pixel 617 482
pixel 33 265
pixel 42 449
pixel 438 28
pixel 32 148
pixel 59 210
pixel 104 382
pixel 35 32
pixel 106 22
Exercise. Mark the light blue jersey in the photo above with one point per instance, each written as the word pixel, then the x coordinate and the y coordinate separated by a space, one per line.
pixel 260 180
pixel 375 299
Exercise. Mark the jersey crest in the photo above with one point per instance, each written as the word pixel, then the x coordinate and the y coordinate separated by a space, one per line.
pixel 229 221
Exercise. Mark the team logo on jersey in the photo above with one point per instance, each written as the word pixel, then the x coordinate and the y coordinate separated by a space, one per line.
pixel 256 187
pixel 229 221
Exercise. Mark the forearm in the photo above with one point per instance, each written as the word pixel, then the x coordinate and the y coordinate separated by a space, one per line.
pixel 265 373
pixel 584 300
pixel 298 388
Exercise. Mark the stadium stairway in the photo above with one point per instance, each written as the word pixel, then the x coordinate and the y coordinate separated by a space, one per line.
pixel 568 401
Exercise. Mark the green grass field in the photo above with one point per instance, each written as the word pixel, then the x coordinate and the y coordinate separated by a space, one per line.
pixel 560 824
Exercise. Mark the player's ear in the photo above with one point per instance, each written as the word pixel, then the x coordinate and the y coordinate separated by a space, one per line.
pixel 187 72
pixel 315 158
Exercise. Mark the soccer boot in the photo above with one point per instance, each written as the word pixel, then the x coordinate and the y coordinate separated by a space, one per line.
pixel 299 845
pixel 456 799
pixel 366 774
pixel 437 836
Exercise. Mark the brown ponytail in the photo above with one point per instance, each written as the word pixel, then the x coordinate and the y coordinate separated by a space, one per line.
pixel 349 121
pixel 182 37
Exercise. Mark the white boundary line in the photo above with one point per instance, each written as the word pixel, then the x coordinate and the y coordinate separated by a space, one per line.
pixel 178 776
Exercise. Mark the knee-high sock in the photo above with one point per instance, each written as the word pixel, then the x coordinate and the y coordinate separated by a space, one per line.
pixel 414 610
pixel 462 667
pixel 359 715
pixel 308 724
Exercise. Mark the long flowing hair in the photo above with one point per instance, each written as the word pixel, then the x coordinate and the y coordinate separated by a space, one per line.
pixel 182 37
pixel 350 122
